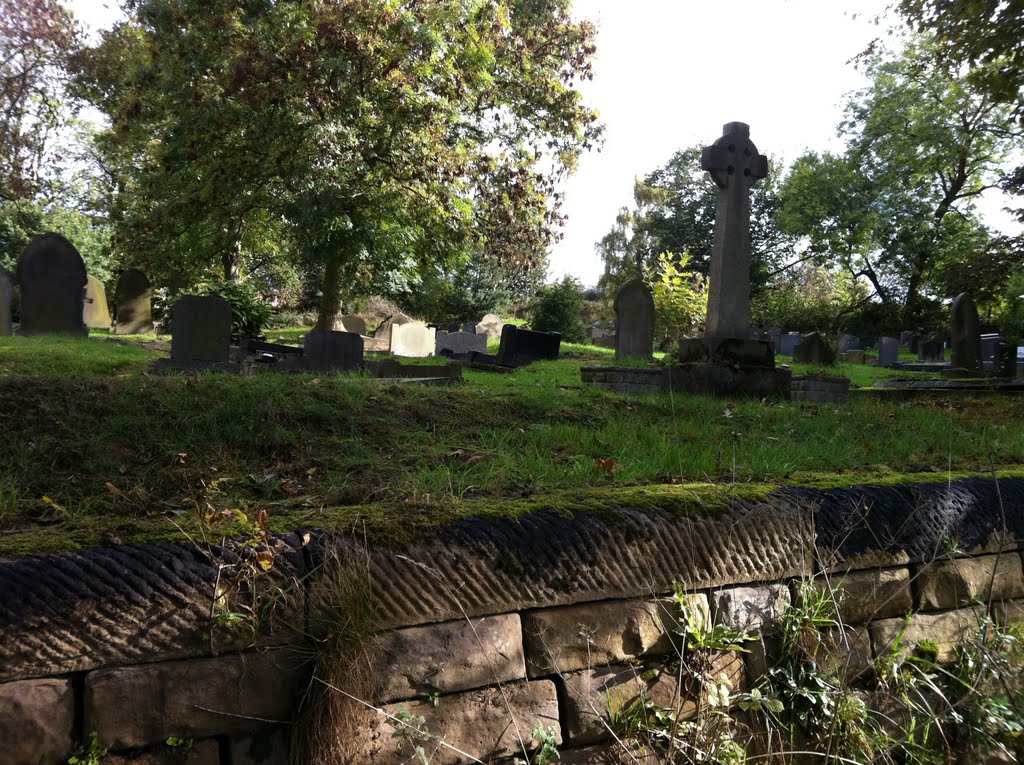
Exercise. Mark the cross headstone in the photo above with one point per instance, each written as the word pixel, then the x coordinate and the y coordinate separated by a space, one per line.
pixel 412 340
pixel 201 335
pixel 95 313
pixel 634 319
pixel 735 166
pixel 53 279
pixel 6 299
pixel 965 330
pixel 134 304
pixel 888 351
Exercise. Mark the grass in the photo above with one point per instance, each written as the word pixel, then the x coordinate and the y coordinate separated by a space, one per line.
pixel 87 434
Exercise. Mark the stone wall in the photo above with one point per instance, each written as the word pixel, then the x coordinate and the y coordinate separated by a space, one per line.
pixel 487 631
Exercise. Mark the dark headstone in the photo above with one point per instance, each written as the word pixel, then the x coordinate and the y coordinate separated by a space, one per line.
pixel 965 330
pixel 726 350
pixel 326 350
pixel 53 279
pixel 931 349
pixel 990 346
pixel 850 343
pixel 787 343
pixel 96 313
pixel 469 327
pixel 518 348
pixel 888 351
pixel 134 304
pixel 634 321
pixel 201 335
pixel 6 299
pixel 909 340
pixel 812 349
pixel 1006 361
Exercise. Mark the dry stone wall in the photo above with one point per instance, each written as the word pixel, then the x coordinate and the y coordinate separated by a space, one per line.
pixel 492 636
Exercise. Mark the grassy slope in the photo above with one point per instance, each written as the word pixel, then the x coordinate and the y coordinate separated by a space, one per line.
pixel 92 443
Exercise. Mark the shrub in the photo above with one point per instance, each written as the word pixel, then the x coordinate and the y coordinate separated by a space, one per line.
pixel 249 315
pixel 559 308
pixel 680 298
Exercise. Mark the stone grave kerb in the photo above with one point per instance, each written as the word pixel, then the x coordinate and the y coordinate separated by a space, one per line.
pixel 735 166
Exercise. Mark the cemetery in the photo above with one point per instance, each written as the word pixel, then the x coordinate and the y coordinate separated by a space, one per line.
pixel 308 459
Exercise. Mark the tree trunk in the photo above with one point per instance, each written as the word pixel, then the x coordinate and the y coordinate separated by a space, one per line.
pixel 330 293
pixel 230 260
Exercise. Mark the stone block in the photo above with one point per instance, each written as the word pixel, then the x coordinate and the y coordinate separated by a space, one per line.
pixel 946 630
pixel 1008 612
pixel 863 596
pixel 267 747
pixel 486 724
pixel 595 634
pixel 200 753
pixel 751 609
pixel 845 652
pixel 961 581
pixel 453 656
pixel 594 697
pixel 138 706
pixel 36 720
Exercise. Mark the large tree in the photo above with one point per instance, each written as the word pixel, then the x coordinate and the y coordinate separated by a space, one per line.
pixel 384 134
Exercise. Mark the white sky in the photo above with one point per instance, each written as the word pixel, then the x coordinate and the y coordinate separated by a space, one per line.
pixel 670 73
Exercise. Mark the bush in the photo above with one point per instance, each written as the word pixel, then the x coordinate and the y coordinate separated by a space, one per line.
pixel 810 298
pixel 680 298
pixel 559 308
pixel 1011 318
pixel 249 315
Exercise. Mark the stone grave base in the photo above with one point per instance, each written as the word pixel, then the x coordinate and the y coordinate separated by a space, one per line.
pixel 170 366
pixel 700 379
pixel 909 388
pixel 820 389
pixel 393 370
pixel 966 374
pixel 727 350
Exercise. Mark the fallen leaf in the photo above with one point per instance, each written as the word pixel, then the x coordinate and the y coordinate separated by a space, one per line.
pixel 265 558
pixel 261 519
pixel 605 464
pixel 180 458
pixel 476 458
pixel 111 489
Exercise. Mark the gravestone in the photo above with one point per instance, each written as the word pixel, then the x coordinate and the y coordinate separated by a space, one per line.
pixel 490 325
pixel 854 356
pixel 134 304
pixel 634 321
pixel 990 346
pixel 95 313
pixel 469 327
pixel 201 335
pixel 850 343
pixel 909 340
pixel 450 343
pixel 931 349
pixel 6 299
pixel 787 343
pixel 52 277
pixel 326 350
pixel 965 331
pixel 812 349
pixel 888 351
pixel 735 166
pixel 354 324
pixel 523 346
pixel 1006 361
pixel 412 340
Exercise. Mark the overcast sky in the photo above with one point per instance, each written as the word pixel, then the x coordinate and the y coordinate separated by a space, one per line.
pixel 670 73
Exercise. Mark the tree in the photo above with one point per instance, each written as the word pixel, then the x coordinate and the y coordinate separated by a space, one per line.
pixel 559 308
pixel 675 212
pixel 385 135
pixel 922 144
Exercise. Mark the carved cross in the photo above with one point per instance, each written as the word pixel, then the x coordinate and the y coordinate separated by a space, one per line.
pixel 735 166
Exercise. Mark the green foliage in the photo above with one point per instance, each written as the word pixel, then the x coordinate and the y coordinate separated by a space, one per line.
pixel 559 308
pixel 680 298
pixel 1011 322
pixel 249 314
pixel 810 298
pixel 90 753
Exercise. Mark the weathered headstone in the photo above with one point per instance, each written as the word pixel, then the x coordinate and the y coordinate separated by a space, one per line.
pixel 634 321
pixel 812 349
pixel 787 343
pixel 990 346
pixel 1006 361
pixel 412 340
pixel 52 277
pixel 854 356
pixel 96 313
pixel 490 325
pixel 931 349
pixel 449 343
pixel 201 335
pixel 134 304
pixel 470 327
pixel 888 351
pixel 909 340
pixel 6 299
pixel 850 343
pixel 965 330
pixel 735 166
pixel 353 323
pixel 327 350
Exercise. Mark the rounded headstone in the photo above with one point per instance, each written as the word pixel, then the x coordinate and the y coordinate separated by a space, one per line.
pixel 134 304
pixel 490 325
pixel 634 318
pixel 96 314
pixel 52 277
pixel 965 333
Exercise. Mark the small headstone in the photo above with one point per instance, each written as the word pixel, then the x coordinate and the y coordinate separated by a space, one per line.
pixel 96 314
pixel 52 277
pixel 966 333
pixel 327 350
pixel 787 343
pixel 854 356
pixel 490 325
pixel 1006 361
pixel 353 323
pixel 460 342
pixel 522 346
pixel 6 299
pixel 909 340
pixel 470 327
pixel 812 349
pixel 931 349
pixel 412 340
pixel 384 330
pixel 201 335
pixel 134 304
pixel 634 320
pixel 888 351
pixel 454 327
pixel 850 343
pixel 990 346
